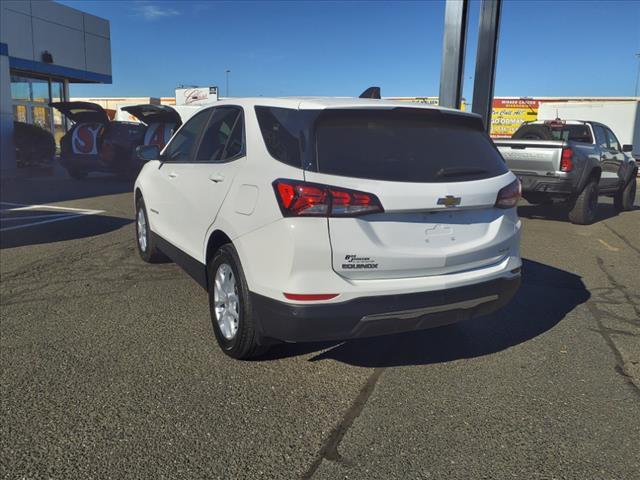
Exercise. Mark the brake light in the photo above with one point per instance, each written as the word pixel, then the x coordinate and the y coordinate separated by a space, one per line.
pixel 566 160
pixel 508 196
pixel 310 297
pixel 298 198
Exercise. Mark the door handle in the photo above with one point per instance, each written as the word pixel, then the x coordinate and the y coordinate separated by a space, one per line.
pixel 173 175
pixel 216 177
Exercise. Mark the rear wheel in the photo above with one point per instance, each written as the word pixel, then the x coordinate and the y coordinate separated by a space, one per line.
pixel 230 304
pixel 624 198
pixel 583 211
pixel 147 247
pixel 77 173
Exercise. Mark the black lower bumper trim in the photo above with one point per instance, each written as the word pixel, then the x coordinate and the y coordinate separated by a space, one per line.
pixel 540 184
pixel 380 315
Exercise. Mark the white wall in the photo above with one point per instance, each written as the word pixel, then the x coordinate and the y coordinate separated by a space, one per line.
pixel 74 38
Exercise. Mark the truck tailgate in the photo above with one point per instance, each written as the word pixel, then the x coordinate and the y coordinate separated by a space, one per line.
pixel 532 157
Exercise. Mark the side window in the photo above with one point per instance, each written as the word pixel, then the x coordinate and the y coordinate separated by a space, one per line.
pixel 223 138
pixel 182 145
pixel 613 141
pixel 280 128
pixel 601 138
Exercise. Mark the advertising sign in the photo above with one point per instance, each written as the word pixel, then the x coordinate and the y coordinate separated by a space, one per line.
pixel 508 114
pixel 196 95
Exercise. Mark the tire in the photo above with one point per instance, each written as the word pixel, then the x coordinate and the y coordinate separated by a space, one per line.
pixel 583 211
pixel 147 247
pixel 624 198
pixel 232 314
pixel 77 173
pixel 533 132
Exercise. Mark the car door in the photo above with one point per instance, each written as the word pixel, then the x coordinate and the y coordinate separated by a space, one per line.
pixel 606 157
pixel 617 158
pixel 164 199
pixel 204 181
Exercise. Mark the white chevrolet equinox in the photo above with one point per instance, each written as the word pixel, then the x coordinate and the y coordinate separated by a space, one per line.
pixel 332 218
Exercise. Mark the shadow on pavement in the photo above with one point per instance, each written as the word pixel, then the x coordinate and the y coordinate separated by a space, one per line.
pixel 560 213
pixel 80 226
pixel 45 190
pixel 546 296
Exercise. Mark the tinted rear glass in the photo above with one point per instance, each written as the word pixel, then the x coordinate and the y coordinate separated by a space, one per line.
pixel 280 128
pixel 405 146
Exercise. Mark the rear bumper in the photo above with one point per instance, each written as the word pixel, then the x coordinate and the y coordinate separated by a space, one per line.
pixel 380 315
pixel 543 184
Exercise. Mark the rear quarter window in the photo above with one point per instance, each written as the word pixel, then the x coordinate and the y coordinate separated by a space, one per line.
pixel 280 128
pixel 405 145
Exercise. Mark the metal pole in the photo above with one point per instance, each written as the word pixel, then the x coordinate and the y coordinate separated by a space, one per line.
pixel 486 60
pixel 453 45
pixel 638 74
pixel 227 72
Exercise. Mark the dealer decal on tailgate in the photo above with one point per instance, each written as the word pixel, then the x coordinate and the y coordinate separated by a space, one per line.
pixel 355 262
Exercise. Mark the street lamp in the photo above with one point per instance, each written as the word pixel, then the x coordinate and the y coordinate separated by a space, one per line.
pixel 638 74
pixel 227 72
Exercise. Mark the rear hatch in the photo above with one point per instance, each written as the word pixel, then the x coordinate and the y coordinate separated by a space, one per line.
pixel 531 157
pixel 437 176
pixel 154 114
pixel 82 112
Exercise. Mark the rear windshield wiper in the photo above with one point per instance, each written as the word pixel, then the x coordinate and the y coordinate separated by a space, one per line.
pixel 459 171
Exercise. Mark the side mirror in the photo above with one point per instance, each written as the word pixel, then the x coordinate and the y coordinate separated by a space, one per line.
pixel 627 148
pixel 148 152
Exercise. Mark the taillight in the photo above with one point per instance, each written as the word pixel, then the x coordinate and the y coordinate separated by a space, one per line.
pixel 508 196
pixel 316 200
pixel 566 161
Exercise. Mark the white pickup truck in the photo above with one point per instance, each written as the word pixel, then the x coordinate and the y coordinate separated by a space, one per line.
pixel 573 162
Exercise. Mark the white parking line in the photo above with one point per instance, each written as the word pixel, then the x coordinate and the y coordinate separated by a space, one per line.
pixel 70 214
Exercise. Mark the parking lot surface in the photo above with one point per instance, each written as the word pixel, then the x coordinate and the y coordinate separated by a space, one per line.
pixel 110 368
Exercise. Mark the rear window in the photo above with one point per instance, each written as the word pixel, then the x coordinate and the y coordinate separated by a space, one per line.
pixel 405 146
pixel 537 131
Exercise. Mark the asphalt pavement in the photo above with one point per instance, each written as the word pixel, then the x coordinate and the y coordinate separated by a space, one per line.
pixel 109 368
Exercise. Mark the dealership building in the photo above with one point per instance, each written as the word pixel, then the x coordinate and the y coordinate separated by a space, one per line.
pixel 45 46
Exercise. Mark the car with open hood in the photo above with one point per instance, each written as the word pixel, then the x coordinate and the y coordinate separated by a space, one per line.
pixel 95 143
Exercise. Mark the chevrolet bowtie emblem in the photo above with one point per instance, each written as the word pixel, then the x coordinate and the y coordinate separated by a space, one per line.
pixel 449 201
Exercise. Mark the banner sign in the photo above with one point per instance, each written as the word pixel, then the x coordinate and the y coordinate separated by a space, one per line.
pixel 196 95
pixel 508 114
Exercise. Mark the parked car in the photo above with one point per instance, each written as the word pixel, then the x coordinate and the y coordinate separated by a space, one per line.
pixel 329 219
pixel 572 162
pixel 96 144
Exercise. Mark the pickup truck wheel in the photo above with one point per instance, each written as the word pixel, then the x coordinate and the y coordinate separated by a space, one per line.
pixel 624 198
pixel 584 208
pixel 230 304
pixel 147 247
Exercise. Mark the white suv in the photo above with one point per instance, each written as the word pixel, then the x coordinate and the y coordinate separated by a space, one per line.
pixel 325 219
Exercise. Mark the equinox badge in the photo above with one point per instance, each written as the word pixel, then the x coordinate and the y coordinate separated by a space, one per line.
pixel 449 201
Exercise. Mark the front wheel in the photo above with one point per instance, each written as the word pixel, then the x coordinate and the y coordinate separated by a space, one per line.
pixel 147 247
pixel 624 198
pixel 232 314
pixel 584 208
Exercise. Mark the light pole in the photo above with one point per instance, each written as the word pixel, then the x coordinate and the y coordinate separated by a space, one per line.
pixel 638 74
pixel 227 72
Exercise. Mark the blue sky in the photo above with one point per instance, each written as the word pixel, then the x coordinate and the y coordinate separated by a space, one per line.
pixel 554 48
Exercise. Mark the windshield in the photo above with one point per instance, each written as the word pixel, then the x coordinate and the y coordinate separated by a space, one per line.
pixel 405 146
